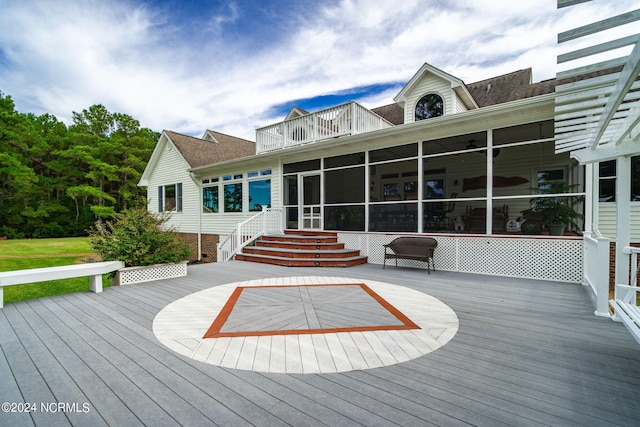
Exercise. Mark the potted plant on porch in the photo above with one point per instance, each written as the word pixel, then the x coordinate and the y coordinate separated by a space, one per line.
pixel 140 239
pixel 555 213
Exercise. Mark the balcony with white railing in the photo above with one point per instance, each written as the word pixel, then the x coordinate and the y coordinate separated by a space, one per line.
pixel 346 119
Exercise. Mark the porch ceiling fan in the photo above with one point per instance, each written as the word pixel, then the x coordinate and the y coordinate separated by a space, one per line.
pixel 472 145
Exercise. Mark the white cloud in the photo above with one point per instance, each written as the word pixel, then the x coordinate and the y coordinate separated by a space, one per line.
pixel 65 56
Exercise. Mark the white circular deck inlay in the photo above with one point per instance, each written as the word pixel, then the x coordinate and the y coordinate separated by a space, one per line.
pixel 182 325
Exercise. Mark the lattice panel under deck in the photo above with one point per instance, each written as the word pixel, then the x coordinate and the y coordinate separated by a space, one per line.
pixel 128 276
pixel 545 259
pixel 551 259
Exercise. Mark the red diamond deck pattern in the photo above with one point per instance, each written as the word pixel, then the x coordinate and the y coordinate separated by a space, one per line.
pixel 308 309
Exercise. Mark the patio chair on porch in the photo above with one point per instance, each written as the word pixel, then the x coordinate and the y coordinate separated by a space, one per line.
pixel 438 215
pixel 451 206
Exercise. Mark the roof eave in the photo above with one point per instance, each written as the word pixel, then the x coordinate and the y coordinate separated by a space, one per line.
pixel 464 94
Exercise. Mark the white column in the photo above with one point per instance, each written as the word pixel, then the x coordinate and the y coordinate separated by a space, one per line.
pixel 591 198
pixel 623 229
pixel 367 189
pixel 421 188
pixel 489 216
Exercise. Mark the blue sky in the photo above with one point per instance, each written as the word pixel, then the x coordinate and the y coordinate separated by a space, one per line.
pixel 234 66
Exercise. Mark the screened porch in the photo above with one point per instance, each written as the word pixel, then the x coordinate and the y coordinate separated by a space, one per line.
pixel 438 185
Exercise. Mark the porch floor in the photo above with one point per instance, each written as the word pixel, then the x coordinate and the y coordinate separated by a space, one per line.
pixel 525 353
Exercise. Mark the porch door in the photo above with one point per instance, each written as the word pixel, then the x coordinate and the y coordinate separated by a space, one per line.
pixel 310 209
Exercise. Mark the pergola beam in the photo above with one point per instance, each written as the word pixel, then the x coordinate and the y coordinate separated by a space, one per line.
pixel 627 77
pixel 599 48
pixel 565 3
pixel 596 27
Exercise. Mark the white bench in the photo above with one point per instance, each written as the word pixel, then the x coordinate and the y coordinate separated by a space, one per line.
pixel 93 270
pixel 626 309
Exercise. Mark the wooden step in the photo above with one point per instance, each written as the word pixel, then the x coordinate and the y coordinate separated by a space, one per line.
pixel 297 248
pixel 303 262
pixel 300 239
pixel 301 253
pixel 299 245
pixel 311 233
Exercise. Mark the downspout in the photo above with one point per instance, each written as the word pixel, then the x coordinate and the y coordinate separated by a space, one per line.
pixel 199 185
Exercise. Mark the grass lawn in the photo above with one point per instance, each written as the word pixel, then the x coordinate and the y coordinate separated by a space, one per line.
pixel 36 253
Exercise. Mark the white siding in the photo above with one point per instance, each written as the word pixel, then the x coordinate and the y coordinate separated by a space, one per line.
pixel 607 221
pixel 458 105
pixel 172 169
pixel 429 84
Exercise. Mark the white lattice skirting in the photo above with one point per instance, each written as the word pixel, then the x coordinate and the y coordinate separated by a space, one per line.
pixel 130 275
pixel 557 259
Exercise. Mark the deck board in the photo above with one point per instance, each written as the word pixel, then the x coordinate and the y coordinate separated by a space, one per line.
pixel 526 353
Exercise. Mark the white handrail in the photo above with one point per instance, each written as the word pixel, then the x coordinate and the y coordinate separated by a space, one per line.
pixel 269 220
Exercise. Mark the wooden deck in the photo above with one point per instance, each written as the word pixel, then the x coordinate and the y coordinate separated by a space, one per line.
pixel 526 353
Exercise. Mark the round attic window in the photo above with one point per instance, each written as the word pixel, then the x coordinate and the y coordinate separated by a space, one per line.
pixel 429 106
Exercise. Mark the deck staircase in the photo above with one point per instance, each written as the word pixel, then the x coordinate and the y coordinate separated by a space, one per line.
pixel 296 248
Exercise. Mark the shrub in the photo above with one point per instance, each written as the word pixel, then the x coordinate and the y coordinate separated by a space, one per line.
pixel 138 237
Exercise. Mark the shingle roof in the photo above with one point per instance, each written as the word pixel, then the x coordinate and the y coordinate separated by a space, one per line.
pixel 199 152
pixel 509 87
pixel 394 113
pixel 495 90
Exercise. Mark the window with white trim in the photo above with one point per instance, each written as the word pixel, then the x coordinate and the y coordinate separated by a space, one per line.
pixel 607 178
pixel 210 196
pixel 170 198
pixel 259 190
pixel 232 193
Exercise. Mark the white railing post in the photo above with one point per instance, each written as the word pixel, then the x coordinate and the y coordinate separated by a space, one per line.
pixel 314 126
pixel 354 120
pixel 595 276
pixel 634 253
pixel 285 132
pixel 238 237
pixel 264 219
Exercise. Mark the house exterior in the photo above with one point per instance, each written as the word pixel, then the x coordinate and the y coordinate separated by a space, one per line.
pixel 172 188
pixel 417 166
